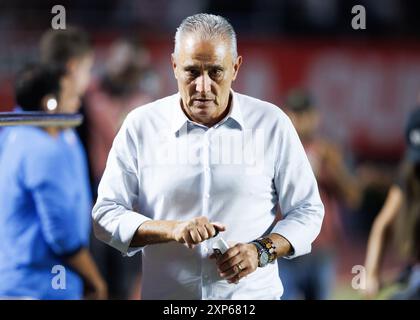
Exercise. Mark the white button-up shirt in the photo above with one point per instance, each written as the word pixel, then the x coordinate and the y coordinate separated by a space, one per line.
pixel 163 166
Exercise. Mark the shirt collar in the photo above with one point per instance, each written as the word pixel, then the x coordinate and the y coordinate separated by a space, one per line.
pixel 235 110
pixel 179 119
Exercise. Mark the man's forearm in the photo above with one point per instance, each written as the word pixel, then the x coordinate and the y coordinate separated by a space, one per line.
pixel 82 262
pixel 283 246
pixel 190 232
pixel 152 232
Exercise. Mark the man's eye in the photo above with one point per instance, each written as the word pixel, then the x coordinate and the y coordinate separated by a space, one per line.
pixel 192 73
pixel 216 73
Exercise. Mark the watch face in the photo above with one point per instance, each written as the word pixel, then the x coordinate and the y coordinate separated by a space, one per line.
pixel 264 258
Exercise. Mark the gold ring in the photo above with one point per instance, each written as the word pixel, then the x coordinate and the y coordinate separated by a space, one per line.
pixel 240 267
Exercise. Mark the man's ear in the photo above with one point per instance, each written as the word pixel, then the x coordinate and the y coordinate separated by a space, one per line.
pixel 173 62
pixel 236 67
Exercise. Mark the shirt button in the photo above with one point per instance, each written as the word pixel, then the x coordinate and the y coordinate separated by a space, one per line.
pixel 206 250
pixel 207 169
pixel 207 195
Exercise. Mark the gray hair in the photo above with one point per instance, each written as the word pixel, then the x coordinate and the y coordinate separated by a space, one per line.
pixel 208 26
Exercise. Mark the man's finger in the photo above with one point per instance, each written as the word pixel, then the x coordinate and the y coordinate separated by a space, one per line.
pixel 211 230
pixel 231 273
pixel 204 234
pixel 240 275
pixel 230 263
pixel 230 253
pixel 219 226
pixel 187 239
pixel 213 256
pixel 195 236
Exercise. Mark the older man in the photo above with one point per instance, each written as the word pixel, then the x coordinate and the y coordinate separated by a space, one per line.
pixel 204 161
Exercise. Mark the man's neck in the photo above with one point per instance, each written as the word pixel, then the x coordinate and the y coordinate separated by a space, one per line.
pixel 52 131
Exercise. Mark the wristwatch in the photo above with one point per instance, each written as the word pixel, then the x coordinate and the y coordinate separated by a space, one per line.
pixel 266 251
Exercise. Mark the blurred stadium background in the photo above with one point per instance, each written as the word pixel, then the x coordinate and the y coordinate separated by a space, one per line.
pixel 364 82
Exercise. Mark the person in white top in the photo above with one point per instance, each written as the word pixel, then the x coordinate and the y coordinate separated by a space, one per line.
pixel 207 162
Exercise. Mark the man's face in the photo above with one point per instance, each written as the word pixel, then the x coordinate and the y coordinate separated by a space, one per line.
pixel 205 69
pixel 75 83
pixel 80 72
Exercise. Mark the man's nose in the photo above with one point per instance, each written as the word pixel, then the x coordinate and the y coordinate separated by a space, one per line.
pixel 203 83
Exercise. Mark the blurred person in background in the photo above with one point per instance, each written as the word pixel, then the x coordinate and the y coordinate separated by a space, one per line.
pixel 70 53
pixel 45 199
pixel 400 219
pixel 121 88
pixel 313 276
pixel 67 55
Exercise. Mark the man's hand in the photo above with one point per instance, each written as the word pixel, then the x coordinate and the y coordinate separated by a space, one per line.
pixel 196 230
pixel 96 290
pixel 238 262
pixel 83 263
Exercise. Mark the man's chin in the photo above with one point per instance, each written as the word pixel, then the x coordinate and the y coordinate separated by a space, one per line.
pixel 203 109
pixel 201 116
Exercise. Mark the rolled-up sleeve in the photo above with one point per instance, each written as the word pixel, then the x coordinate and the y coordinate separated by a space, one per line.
pixel 298 194
pixel 115 220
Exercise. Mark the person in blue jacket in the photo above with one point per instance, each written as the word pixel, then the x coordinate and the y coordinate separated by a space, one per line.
pixel 45 200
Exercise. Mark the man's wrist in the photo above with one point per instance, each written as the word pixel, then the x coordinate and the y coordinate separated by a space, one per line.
pixel 283 246
pixel 266 251
pixel 154 231
pixel 255 250
pixel 171 230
